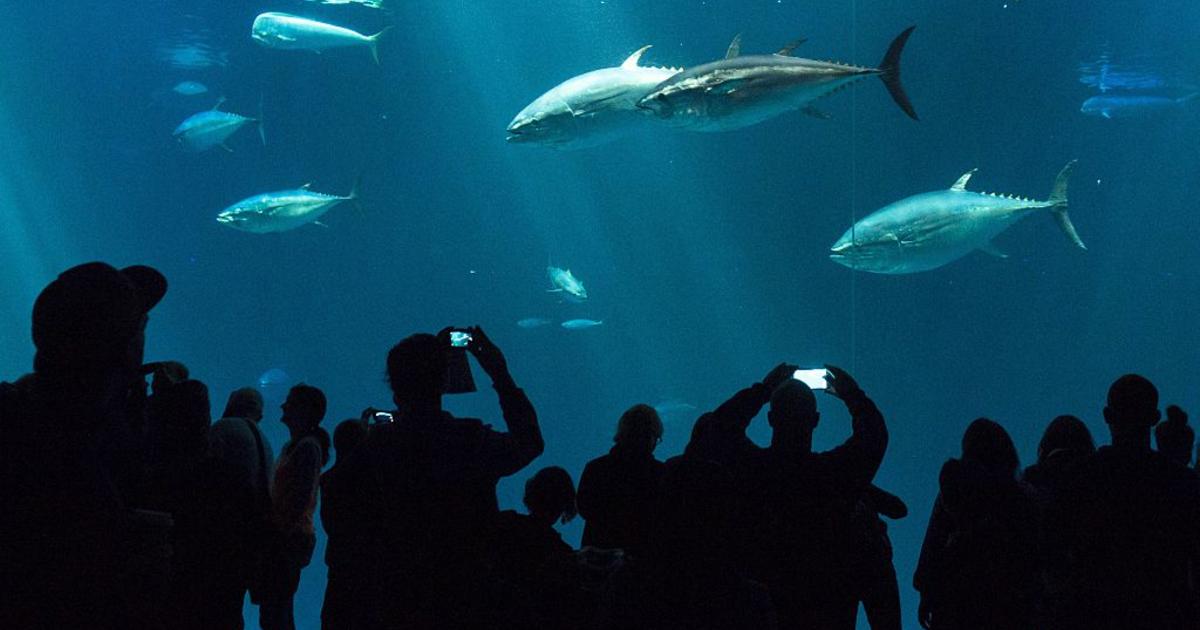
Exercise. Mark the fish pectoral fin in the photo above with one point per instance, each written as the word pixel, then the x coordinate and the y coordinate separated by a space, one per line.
pixel 961 184
pixel 554 290
pixel 320 224
pixel 816 113
pixel 226 147
pixel 1107 114
pixel 992 250
pixel 284 38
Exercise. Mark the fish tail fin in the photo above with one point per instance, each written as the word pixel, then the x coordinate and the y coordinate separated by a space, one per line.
pixel 374 39
pixel 1058 205
pixel 354 193
pixel 889 73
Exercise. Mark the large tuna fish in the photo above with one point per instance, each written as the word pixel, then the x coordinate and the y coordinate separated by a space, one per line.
pixel 589 109
pixel 740 91
pixel 208 129
pixel 931 229
pixel 280 211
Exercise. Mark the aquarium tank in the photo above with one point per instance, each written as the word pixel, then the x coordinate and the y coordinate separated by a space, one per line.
pixel 662 232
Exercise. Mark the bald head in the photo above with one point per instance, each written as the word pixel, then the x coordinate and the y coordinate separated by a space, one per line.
pixel 793 405
pixel 1132 403
pixel 246 402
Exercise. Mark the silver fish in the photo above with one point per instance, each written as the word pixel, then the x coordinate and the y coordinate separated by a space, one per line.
pixel 189 88
pixel 533 322
pixel 566 283
pixel 579 324
pixel 285 31
pixel 739 91
pixel 208 129
pixel 1133 105
pixel 589 109
pixel 931 229
pixel 280 211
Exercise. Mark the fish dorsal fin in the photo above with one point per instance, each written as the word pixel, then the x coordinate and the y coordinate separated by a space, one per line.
pixel 735 47
pixel 306 186
pixel 961 184
pixel 991 249
pixel 631 61
pixel 220 102
pixel 792 45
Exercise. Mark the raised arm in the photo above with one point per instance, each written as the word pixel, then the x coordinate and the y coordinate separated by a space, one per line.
pixel 508 452
pixel 736 413
pixel 857 459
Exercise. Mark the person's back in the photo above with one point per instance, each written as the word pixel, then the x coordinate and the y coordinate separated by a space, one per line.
pixel 427 484
pixel 347 552
pixel 1125 526
pixel 617 490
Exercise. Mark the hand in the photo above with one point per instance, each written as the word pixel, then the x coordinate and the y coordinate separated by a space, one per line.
pixel 841 384
pixel 924 615
pixel 490 358
pixel 1176 415
pixel 779 375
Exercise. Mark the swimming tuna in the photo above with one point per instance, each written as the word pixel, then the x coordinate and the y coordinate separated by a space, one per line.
pixel 580 324
pixel 741 91
pixel 291 32
pixel 566 283
pixel 590 109
pixel 280 211
pixel 189 88
pixel 1133 105
pixel 203 131
pixel 931 229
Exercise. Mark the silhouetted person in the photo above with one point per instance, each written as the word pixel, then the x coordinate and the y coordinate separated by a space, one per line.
pixel 428 483
pixel 1174 437
pixel 689 577
pixel 294 502
pixel 530 554
pixel 617 490
pixel 1065 442
pixel 978 566
pixel 809 545
pixel 347 550
pixel 73 555
pixel 873 573
pixel 1124 527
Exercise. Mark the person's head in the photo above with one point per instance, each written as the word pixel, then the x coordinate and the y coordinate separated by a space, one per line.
pixel 1132 405
pixel 246 402
pixel 1065 433
pixel 639 428
pixel 304 408
pixel 164 374
pixel 550 495
pixel 987 443
pixel 793 409
pixel 416 368
pixel 91 320
pixel 1174 437
pixel 347 436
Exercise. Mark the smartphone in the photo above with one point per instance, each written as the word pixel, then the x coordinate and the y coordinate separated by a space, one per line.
pixel 815 379
pixel 459 338
pixel 382 417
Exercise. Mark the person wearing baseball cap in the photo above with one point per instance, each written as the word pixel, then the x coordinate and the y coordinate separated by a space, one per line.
pixel 66 441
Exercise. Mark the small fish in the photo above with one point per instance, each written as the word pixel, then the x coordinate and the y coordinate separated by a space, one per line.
pixel 1133 105
pixel 533 322
pixel 280 211
pixel 370 4
pixel 192 56
pixel 579 324
pixel 928 230
pixel 284 31
pixel 738 91
pixel 273 377
pixel 208 129
pixel 673 406
pixel 189 88
pixel 589 109
pixel 566 283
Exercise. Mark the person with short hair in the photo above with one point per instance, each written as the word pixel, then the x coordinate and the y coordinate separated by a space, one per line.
pixel 617 491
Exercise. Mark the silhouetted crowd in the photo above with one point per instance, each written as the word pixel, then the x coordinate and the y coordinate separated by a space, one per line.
pixel 124 505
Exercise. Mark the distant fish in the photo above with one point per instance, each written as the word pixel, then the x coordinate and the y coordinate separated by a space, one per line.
pixel 673 406
pixel 1133 105
pixel 189 88
pixel 291 32
pixel 566 283
pixel 370 4
pixel 192 56
pixel 280 211
pixel 737 91
pixel 579 324
pixel 928 230
pixel 208 129
pixel 533 322
pixel 272 378
pixel 589 109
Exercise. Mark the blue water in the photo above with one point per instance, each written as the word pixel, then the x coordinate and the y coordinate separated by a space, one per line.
pixel 704 255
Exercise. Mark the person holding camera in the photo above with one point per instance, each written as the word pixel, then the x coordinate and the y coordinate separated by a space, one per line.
pixel 425 485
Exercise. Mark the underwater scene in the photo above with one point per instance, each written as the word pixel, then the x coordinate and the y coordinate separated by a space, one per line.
pixel 978 209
